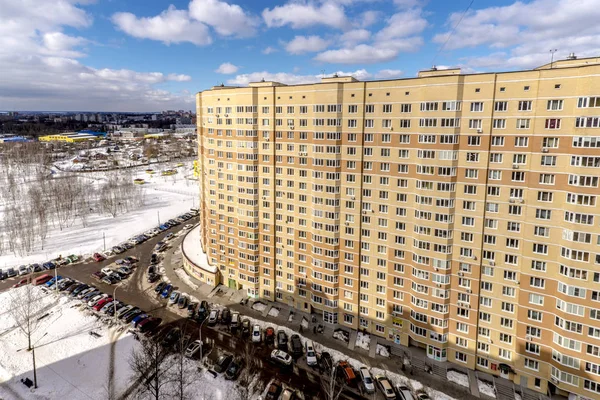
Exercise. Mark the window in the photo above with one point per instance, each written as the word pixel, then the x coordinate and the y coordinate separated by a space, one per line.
pixel 477 106
pixel 523 123
pixel 501 106
pixel 554 105
pixel 552 123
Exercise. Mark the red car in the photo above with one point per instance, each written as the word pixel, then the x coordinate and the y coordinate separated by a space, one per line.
pixel 101 303
pixel 22 282
pixel 98 257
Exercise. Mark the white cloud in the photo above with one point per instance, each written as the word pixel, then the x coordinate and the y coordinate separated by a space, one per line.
pixel 361 54
pixel 170 26
pixel 520 34
pixel 302 15
pixel 355 36
pixel 40 70
pixel 292 79
pixel 402 25
pixel 408 3
pixel 226 19
pixel 306 44
pixel 269 50
pixel 368 18
pixel 388 74
pixel 227 68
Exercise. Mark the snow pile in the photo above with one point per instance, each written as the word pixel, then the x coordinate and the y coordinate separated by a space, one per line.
pixel 341 335
pixel 383 350
pixel 363 340
pixel 185 278
pixel 458 378
pixel 260 307
pixel 274 312
pixel 486 388
pixel 517 396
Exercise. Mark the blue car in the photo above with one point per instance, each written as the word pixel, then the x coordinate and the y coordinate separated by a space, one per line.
pixel 163 227
pixel 166 291
pixel 49 265
pixel 53 280
pixel 139 319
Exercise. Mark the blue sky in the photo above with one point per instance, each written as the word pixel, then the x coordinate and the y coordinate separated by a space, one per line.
pixel 132 55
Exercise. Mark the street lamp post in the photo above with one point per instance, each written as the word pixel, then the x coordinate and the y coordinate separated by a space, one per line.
pixel 33 355
pixel 200 331
pixel 115 302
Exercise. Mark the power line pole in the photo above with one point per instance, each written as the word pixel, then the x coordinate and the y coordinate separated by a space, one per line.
pixel 552 57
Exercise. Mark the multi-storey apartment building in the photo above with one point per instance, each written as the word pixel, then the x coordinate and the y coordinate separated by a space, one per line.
pixel 457 213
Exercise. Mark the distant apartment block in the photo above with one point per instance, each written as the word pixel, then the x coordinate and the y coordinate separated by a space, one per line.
pixel 450 212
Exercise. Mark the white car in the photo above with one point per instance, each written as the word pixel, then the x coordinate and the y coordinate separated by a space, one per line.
pixel 95 299
pixel 256 336
pixel 23 270
pixel 193 348
pixel 311 354
pixel 188 226
pixel 367 380
pixel 107 271
pixel 386 387
pixel 281 357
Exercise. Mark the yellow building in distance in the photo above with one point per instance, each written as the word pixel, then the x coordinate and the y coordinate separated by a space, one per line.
pixel 453 213
pixel 73 137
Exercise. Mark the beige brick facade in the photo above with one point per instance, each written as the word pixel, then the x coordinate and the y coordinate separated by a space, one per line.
pixel 457 213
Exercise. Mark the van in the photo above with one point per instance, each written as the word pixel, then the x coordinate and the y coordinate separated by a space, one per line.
pixel 311 354
pixel 40 280
pixel 347 372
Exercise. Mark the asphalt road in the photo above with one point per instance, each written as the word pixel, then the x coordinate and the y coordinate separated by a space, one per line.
pixel 137 291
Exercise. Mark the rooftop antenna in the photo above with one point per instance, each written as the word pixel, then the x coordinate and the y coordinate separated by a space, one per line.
pixel 336 75
pixel 262 80
pixel 323 73
pixel 552 57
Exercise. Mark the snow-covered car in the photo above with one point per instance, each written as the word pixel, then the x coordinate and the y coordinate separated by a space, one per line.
pixel 404 392
pixel 96 299
pixel 107 271
pixel 281 357
pixel 174 297
pixel 169 236
pixel 311 354
pixel 367 380
pixel 213 317
pixel 124 270
pixel 256 336
pixel 118 249
pixel 188 226
pixel 160 246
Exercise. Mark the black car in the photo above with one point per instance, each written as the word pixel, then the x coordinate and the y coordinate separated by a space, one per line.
pixel 226 316
pixel 160 287
pixel 153 278
pixel 191 310
pixel 234 369
pixel 245 327
pixel 326 361
pixel 151 270
pixel 79 289
pixel 223 363
pixel 282 340
pixel 296 345
pixel 171 337
pixel 203 307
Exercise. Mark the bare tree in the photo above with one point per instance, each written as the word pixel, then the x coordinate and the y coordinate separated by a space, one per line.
pixel 152 368
pixel 251 366
pixel 181 372
pixel 25 309
pixel 331 386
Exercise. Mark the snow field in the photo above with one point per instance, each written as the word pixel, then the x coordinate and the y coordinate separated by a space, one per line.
pixel 363 340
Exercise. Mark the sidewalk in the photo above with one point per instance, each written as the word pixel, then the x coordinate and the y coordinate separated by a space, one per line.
pixel 292 318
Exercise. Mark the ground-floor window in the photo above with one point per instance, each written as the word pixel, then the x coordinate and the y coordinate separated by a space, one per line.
pixel 438 354
pixel 349 319
pixel 462 357
pixel 267 293
pixel 380 328
pixel 483 362
pixel 364 323
pixel 330 318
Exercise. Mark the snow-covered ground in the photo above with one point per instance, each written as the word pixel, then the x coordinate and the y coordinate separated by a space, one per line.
pixel 363 340
pixel 260 307
pixel 185 278
pixel 382 351
pixel 274 312
pixel 458 378
pixel 165 197
pixel 486 388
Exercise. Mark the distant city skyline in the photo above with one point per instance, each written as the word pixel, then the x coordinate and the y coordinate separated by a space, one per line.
pixel 154 55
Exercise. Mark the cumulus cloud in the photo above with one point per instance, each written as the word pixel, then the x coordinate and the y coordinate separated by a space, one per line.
pixel 302 15
pixel 361 54
pixel 306 44
pixel 227 68
pixel 227 19
pixel 355 36
pixel 170 26
pixel 292 79
pixel 519 35
pixel 40 70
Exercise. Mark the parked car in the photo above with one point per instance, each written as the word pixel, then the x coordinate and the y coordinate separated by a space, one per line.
pixel 281 357
pixel 347 372
pixel 385 387
pixel 153 278
pixel 235 321
pixel 270 335
pixel 23 270
pixel 191 309
pixel 311 354
pixel 122 262
pixel 188 226
pixel 124 270
pixel 53 281
pixel 182 302
pixel 160 287
pixel 245 327
pixel 65 284
pixel 123 310
pixel 287 394
pixel 166 291
pixel 404 392
pixel 160 246
pixel 117 249
pixel 282 340
pixel 234 369
pixel 11 272
pixel 169 236
pixel 423 396
pixel 296 345
pixel 149 324
pixel 223 362
pixel 98 275
pixel 36 267
pixel 107 271
pixel 49 265
pixel 154 259
pixel 22 282
pixel 326 361
pixel 213 317
pixel 127 318
pixel 174 297
pixel 256 336
pixel 225 316
pixel 73 287
pixel 139 318
pixel 366 380
pixel 273 391
pixel 100 304
pixel 72 258
pixel 203 307
pixel 132 260
pixel 88 291
pixel 171 337
pixel 193 349
pixel 79 288
pixel 98 257
pixel 107 305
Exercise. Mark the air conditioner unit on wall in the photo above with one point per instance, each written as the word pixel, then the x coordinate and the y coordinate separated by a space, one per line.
pixel 544 149
pixel 515 166
pixel 479 130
